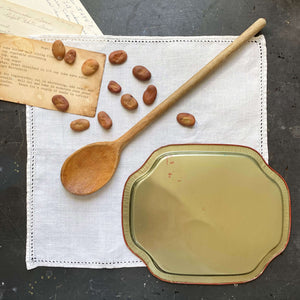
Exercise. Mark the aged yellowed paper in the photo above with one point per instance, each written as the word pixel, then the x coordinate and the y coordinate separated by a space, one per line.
pixel 71 10
pixel 30 74
pixel 21 20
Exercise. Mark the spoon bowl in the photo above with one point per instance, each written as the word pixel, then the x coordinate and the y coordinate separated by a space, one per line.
pixel 90 168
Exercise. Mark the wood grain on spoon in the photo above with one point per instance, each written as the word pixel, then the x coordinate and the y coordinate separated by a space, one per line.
pixel 96 161
pixel 91 167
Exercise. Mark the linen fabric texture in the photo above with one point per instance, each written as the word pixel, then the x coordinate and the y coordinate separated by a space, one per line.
pixel 65 230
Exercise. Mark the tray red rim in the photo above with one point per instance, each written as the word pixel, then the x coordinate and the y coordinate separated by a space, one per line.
pixel 206 283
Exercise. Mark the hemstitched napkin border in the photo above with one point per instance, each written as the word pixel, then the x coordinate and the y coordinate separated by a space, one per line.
pixel 31 258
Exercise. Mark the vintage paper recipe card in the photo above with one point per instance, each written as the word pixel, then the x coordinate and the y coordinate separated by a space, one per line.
pixel 21 20
pixel 30 74
pixel 71 10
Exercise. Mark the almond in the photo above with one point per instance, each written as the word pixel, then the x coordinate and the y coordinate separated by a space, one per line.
pixel 104 120
pixel 70 57
pixel 141 73
pixel 58 49
pixel 118 57
pixel 186 119
pixel 129 102
pixel 89 67
pixel 150 95
pixel 114 87
pixel 60 102
pixel 80 125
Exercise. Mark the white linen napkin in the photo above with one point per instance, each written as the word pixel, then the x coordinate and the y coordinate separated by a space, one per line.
pixel 230 108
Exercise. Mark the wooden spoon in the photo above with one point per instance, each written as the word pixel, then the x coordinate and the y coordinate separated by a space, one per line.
pixel 91 167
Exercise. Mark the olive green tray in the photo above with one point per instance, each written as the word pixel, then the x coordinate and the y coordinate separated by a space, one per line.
pixel 206 214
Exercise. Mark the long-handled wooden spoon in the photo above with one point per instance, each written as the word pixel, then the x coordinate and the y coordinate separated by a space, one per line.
pixel 91 167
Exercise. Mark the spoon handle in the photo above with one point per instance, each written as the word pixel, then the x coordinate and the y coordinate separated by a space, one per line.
pixel 195 79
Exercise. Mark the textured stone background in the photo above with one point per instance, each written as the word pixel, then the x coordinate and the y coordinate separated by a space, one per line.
pixel 281 279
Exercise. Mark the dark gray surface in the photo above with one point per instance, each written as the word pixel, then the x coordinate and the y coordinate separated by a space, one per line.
pixel 281 279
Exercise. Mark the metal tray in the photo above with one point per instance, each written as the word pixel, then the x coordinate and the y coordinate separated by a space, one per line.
pixel 206 214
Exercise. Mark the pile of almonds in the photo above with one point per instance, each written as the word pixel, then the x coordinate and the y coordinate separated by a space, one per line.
pixel 89 67
pixel 139 72
pixel 143 74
